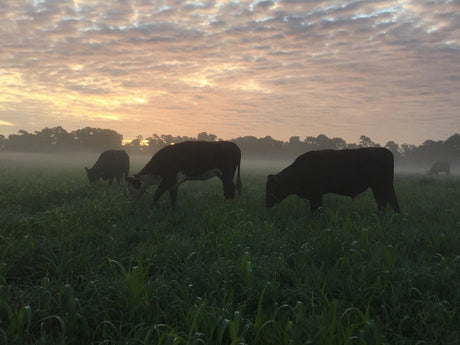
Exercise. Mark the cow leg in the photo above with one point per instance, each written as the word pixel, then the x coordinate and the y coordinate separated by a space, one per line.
pixel 229 190
pixel 118 177
pixel 393 201
pixel 229 187
pixel 110 181
pixel 386 195
pixel 380 198
pixel 315 204
pixel 173 197
pixel 162 188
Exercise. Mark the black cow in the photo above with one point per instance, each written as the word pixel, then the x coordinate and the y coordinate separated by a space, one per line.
pixel 110 164
pixel 190 160
pixel 344 172
pixel 438 167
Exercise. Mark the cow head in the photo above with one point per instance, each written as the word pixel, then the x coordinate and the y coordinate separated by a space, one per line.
pixel 92 174
pixel 274 192
pixel 136 185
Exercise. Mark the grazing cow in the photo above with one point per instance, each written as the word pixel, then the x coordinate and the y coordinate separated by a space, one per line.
pixel 110 164
pixel 442 166
pixel 344 172
pixel 190 160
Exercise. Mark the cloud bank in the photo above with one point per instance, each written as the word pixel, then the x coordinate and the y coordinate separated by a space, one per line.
pixel 386 69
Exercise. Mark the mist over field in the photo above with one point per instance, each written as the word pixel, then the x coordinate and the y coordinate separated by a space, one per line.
pixel 249 165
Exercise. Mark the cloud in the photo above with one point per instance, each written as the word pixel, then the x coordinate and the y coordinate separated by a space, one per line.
pixel 6 123
pixel 276 67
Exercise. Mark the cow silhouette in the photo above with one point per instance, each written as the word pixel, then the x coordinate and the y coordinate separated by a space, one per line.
pixel 440 166
pixel 111 164
pixel 344 172
pixel 189 160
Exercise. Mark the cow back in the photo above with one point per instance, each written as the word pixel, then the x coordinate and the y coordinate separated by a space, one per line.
pixel 347 172
pixel 111 163
pixel 193 158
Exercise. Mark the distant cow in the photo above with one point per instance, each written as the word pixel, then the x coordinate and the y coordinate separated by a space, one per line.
pixel 190 160
pixel 344 172
pixel 110 164
pixel 437 167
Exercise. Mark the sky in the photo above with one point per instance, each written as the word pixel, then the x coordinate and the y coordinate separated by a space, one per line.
pixel 389 70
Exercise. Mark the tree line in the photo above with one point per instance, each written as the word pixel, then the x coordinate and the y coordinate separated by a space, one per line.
pixel 57 139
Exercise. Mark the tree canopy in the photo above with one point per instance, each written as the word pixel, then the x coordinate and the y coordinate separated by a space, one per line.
pixel 98 139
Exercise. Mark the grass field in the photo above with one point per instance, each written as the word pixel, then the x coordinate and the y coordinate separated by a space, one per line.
pixel 79 264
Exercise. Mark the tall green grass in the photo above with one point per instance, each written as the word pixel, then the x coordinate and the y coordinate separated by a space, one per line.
pixel 81 264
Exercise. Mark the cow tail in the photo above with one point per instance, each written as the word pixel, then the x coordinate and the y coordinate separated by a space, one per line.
pixel 238 180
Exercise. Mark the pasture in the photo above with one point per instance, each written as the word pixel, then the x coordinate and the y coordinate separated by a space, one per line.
pixel 80 264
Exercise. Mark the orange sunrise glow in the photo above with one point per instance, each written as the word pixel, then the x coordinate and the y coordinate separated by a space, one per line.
pixel 386 69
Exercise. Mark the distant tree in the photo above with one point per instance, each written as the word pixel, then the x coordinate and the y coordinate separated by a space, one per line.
pixel 23 141
pixel 62 138
pixel 452 148
pixel 247 141
pixel 353 146
pixel 47 139
pixel 98 138
pixel 155 141
pixel 168 139
pixel 452 144
pixel 249 145
pixel 181 139
pixel 366 142
pixel 295 146
pixel 430 151
pixel 55 138
pixel 311 143
pixel 294 140
pixel 339 143
pixel 266 147
pixel 135 145
pixel 3 141
pixel 394 148
pixel 325 143
pixel 407 150
pixel 206 137
pixel 269 141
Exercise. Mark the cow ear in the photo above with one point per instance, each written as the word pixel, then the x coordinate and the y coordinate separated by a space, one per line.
pixel 87 170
